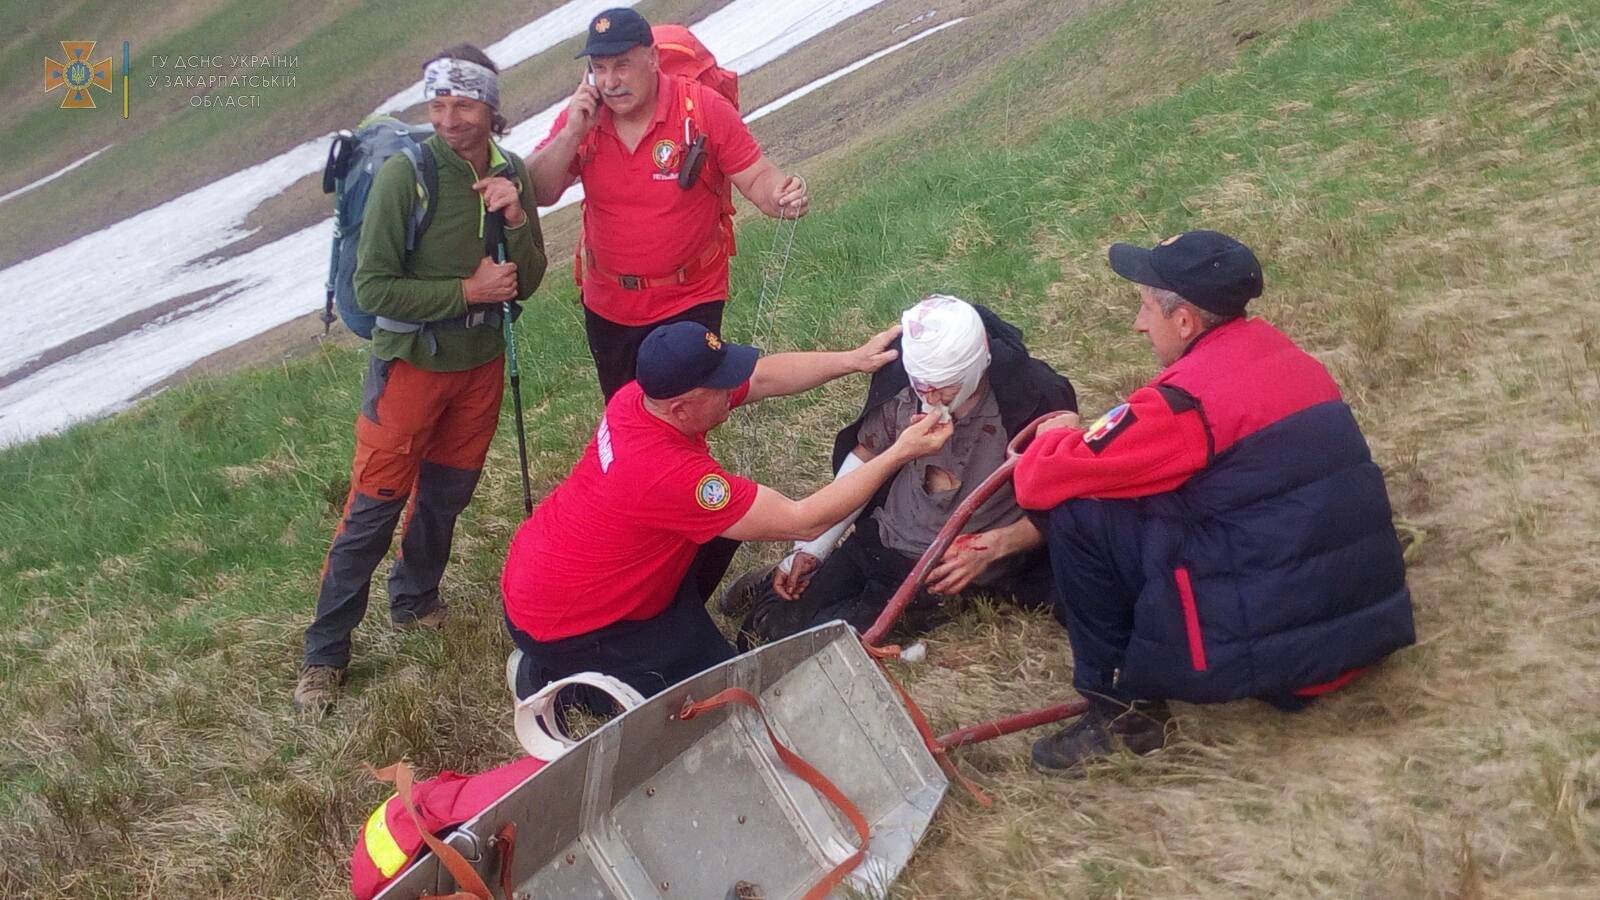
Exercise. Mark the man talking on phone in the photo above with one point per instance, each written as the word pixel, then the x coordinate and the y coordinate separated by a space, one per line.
pixel 656 238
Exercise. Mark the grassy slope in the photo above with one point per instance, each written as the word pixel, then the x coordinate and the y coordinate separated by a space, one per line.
pixel 1419 176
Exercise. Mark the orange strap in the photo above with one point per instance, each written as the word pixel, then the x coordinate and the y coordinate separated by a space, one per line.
pixel 462 871
pixel 879 654
pixel 807 772
pixel 506 838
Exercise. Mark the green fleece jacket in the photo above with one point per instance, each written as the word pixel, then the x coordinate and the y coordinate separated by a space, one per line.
pixel 425 286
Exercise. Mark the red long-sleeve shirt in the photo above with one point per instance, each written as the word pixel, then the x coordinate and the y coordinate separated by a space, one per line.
pixel 1149 445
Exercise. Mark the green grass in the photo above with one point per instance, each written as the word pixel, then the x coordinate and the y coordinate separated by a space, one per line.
pixel 1419 178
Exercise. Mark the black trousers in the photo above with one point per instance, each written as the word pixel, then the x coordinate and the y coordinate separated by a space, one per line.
pixel 856 581
pixel 1095 549
pixel 615 348
pixel 650 654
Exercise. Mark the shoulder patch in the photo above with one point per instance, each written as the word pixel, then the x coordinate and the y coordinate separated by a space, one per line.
pixel 1106 428
pixel 713 492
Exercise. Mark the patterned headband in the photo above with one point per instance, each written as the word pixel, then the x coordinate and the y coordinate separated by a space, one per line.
pixel 461 78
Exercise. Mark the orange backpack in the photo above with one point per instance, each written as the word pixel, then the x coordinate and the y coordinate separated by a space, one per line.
pixel 682 57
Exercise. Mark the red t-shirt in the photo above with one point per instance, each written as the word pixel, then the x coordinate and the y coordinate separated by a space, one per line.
pixel 614 540
pixel 637 221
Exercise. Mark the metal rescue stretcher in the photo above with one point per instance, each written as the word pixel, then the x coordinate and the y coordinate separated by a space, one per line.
pixel 799 769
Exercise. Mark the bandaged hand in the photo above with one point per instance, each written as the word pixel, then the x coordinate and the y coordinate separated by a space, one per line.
pixel 792 576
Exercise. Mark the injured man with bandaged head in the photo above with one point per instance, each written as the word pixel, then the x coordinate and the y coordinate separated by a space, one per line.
pixel 964 363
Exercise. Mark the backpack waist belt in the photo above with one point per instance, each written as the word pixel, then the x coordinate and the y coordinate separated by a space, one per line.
pixel 483 317
pixel 489 316
pixel 703 262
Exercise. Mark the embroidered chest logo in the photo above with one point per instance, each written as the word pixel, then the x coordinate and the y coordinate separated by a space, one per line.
pixel 713 492
pixel 666 154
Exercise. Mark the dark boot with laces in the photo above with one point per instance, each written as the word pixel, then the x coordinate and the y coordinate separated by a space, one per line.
pixel 1106 726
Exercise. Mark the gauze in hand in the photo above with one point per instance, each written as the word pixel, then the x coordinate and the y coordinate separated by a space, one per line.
pixel 943 343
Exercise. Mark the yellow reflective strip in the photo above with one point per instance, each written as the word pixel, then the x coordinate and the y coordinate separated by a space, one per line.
pixel 381 846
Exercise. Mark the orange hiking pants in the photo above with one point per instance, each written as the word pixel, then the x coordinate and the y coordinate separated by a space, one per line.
pixel 421 439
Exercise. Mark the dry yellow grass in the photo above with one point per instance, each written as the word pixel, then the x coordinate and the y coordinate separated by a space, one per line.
pixel 1468 766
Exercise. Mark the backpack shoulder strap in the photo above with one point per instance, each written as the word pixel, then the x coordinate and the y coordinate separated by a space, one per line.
pixel 425 171
pixel 514 163
pixel 428 176
pixel 694 99
pixel 517 169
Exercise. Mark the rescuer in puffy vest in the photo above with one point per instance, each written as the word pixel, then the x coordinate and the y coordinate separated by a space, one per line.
pixel 1222 534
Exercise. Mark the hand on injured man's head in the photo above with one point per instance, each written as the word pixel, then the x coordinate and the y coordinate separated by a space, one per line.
pixel 875 353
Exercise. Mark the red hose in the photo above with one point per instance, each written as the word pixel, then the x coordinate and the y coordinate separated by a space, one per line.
pixel 952 529
pixel 897 604
pixel 986 731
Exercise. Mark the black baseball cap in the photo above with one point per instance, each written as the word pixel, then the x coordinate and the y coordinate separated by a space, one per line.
pixel 616 31
pixel 1206 268
pixel 675 359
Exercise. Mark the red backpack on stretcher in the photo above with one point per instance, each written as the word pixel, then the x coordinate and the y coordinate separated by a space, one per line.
pixel 683 57
pixel 416 816
pixel 405 824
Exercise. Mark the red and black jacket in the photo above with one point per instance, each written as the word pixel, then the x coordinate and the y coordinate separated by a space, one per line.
pixel 1270 558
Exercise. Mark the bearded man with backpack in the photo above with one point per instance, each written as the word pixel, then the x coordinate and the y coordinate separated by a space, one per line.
pixel 655 136
pixel 431 400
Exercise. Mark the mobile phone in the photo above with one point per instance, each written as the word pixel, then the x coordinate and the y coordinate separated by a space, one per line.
pixel 588 74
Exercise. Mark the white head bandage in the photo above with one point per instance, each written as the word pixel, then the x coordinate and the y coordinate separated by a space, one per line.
pixel 460 78
pixel 943 343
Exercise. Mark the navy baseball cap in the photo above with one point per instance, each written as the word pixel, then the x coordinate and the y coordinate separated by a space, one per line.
pixel 675 359
pixel 616 31
pixel 1206 268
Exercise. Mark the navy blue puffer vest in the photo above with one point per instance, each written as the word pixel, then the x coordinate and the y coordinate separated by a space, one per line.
pixel 1275 571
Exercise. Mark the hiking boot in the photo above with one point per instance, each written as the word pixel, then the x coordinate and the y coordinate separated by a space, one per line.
pixel 318 688
pixel 433 621
pixel 1140 727
pixel 513 665
pixel 737 598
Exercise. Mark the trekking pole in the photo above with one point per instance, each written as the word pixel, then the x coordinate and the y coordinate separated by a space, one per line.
pixel 494 237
